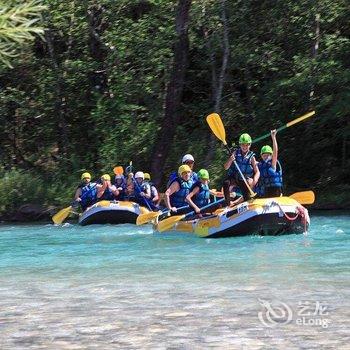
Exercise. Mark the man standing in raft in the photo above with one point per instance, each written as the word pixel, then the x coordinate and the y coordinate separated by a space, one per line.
pixel 270 182
pixel 248 165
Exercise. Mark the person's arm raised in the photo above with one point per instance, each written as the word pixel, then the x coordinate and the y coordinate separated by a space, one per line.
pixel 274 149
pixel 256 171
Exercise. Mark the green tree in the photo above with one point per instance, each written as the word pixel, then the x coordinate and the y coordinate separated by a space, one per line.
pixel 19 24
pixel 113 81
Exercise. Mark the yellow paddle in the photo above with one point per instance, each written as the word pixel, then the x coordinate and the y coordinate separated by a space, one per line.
pixel 168 223
pixel 305 197
pixel 217 127
pixel 147 217
pixel 294 121
pixel 59 217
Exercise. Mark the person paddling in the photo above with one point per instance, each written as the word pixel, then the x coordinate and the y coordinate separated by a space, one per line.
pixel 142 190
pixel 199 195
pixel 86 193
pixel 154 191
pixel 105 190
pixel 175 195
pixel 247 163
pixel 270 181
pixel 187 159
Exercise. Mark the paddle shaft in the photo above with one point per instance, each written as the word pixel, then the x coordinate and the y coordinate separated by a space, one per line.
pixel 170 222
pixel 295 121
pixel 180 208
pixel 205 207
pixel 217 127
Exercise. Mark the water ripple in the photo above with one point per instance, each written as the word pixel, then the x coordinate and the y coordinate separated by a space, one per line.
pixel 71 287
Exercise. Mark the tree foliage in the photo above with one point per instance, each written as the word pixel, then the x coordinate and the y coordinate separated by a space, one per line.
pixel 18 26
pixel 90 93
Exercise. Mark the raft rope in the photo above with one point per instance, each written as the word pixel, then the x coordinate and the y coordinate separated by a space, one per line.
pixel 300 211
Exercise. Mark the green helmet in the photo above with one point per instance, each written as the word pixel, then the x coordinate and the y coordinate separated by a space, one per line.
pixel 245 138
pixel 203 174
pixel 266 149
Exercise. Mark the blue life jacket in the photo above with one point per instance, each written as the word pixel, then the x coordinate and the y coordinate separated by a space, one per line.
pixel 201 198
pixel 174 175
pixel 154 191
pixel 268 176
pixel 88 195
pixel 122 193
pixel 107 195
pixel 194 177
pixel 145 202
pixel 259 188
pixel 150 202
pixel 244 163
pixel 141 188
pixel 178 199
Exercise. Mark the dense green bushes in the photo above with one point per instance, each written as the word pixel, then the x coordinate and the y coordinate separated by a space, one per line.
pixel 18 187
pixel 92 94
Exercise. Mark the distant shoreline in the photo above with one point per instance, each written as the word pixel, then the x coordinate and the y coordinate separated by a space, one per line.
pixel 33 213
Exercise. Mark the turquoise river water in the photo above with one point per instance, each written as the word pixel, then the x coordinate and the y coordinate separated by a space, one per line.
pixel 121 287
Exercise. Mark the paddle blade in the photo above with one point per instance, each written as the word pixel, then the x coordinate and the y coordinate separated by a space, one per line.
pixel 168 223
pixel 147 217
pixel 305 197
pixel 118 170
pixel 59 217
pixel 217 127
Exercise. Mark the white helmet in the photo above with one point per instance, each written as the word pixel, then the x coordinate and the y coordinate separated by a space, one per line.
pixel 187 157
pixel 140 174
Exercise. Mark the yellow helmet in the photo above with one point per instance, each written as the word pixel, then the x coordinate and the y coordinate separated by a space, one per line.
pixel 184 169
pixel 85 176
pixel 106 177
pixel 147 176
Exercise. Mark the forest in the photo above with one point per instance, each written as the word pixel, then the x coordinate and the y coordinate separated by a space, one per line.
pixel 89 85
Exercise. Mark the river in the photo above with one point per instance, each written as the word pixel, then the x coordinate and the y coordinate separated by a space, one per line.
pixel 100 287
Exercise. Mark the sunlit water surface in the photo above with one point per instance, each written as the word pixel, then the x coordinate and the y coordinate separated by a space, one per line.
pixel 101 287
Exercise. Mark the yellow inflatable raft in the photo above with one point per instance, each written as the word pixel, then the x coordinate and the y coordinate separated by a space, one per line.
pixel 112 212
pixel 265 216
